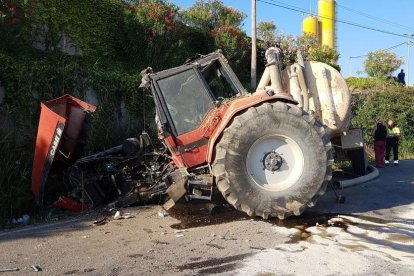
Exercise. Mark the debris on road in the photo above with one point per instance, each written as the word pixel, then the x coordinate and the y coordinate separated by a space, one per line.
pixel 178 233
pixel 9 269
pixel 22 220
pixel 257 248
pixel 215 246
pixel 100 221
pixel 162 214
pixel 36 268
pixel 118 215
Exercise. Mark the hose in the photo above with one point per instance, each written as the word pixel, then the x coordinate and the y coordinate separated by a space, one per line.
pixel 329 97
pixel 264 81
pixel 343 184
pixel 295 86
pixel 303 86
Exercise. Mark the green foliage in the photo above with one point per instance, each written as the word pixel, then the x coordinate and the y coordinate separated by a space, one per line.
pixel 397 105
pixel 372 83
pixel 381 63
pixel 15 174
pixel 324 54
pixel 313 51
pixel 266 31
pixel 14 18
pixel 212 14
pixel 290 45
pixel 224 27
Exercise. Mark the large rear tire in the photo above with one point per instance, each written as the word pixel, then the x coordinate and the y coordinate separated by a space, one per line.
pixel 273 160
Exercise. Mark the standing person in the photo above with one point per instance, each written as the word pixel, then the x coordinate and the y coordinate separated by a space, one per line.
pixel 380 134
pixel 401 77
pixel 393 138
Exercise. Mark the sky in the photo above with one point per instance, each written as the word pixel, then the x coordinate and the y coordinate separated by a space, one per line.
pixel 390 16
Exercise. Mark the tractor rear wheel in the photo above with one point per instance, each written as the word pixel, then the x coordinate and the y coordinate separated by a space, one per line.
pixel 273 160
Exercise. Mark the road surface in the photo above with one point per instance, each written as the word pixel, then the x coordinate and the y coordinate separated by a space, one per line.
pixel 372 233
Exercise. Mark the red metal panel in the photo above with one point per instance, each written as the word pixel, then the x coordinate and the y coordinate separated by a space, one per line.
pixel 60 124
pixel 48 124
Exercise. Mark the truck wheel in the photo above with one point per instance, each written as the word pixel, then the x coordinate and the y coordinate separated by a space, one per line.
pixel 273 160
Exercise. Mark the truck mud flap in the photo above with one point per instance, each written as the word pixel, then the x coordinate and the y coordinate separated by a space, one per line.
pixel 61 136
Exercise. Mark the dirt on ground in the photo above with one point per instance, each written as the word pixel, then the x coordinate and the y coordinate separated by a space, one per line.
pixel 372 233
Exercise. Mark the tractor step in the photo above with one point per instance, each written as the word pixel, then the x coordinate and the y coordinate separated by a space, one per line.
pixel 200 187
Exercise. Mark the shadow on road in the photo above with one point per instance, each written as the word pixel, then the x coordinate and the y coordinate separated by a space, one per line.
pixel 394 187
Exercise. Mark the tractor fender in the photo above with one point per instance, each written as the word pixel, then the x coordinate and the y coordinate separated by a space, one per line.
pixel 238 106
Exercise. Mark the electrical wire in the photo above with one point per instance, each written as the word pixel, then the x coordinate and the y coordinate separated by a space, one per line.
pixel 384 21
pixel 297 9
pixel 387 49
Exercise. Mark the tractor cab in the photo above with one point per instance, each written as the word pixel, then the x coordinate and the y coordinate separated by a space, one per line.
pixel 185 95
pixel 194 103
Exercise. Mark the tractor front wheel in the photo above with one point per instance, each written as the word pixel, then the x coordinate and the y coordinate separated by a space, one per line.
pixel 273 160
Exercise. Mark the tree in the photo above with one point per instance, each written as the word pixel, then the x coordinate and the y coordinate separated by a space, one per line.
pixel 212 14
pixel 381 63
pixel 266 31
pixel 325 54
pixel 313 51
pixel 223 24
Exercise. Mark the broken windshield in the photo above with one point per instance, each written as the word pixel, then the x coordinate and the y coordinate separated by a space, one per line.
pixel 187 99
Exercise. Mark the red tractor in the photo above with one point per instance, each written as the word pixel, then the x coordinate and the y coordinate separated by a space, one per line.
pixel 267 156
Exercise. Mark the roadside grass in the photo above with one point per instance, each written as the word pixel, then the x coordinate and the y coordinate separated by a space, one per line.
pixel 15 173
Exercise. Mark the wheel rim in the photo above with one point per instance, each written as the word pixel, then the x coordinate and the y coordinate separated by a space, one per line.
pixel 275 162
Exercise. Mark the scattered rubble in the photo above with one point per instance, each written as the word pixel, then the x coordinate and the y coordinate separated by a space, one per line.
pixel 22 220
pixel 118 215
pixel 36 268
pixel 100 221
pixel 162 214
pixel 9 269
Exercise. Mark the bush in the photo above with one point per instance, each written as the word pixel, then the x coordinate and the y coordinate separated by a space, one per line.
pixel 370 83
pixel 381 63
pixel 398 106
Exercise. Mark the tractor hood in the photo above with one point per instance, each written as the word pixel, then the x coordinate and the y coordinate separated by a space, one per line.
pixel 60 138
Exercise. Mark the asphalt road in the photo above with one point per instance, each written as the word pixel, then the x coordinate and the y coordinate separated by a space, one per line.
pixel 372 233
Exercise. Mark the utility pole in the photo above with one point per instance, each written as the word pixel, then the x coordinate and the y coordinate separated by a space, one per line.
pixel 407 60
pixel 254 49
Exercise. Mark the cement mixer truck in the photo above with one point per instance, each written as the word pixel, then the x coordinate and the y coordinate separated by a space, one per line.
pixel 269 153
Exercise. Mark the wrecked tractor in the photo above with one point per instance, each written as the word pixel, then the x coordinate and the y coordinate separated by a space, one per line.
pixel 267 156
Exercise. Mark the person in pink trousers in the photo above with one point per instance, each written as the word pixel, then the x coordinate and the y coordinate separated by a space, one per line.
pixel 380 134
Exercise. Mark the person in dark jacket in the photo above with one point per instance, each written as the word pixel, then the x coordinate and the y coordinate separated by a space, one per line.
pixel 401 77
pixel 380 135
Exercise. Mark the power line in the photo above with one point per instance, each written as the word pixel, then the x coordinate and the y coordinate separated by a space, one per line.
pixel 297 9
pixel 385 21
pixel 387 49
